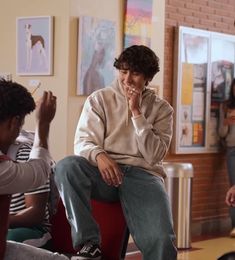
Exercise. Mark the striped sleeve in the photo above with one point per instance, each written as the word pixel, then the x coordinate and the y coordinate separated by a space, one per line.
pixel 18 199
pixel 23 156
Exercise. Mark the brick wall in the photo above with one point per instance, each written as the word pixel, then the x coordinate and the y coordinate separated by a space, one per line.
pixel 210 177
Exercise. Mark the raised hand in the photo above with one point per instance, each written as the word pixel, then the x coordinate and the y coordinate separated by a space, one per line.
pixel 46 107
pixel 45 112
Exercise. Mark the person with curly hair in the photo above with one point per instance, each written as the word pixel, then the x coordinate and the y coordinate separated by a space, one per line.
pixel 122 137
pixel 15 103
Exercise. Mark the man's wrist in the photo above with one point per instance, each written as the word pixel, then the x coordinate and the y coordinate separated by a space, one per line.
pixel 99 154
pixel 42 131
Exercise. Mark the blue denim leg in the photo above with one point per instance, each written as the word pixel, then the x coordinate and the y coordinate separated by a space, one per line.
pixel 78 181
pixel 230 154
pixel 147 211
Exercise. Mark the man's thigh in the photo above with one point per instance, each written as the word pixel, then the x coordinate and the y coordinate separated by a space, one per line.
pixel 145 200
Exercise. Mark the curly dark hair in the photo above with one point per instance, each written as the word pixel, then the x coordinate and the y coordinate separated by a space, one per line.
pixel 15 100
pixel 138 58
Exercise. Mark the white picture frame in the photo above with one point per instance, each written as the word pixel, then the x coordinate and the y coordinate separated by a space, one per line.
pixel 34 42
pixel 203 70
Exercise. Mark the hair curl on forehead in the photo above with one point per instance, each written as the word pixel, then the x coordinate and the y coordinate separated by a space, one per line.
pixel 15 100
pixel 138 58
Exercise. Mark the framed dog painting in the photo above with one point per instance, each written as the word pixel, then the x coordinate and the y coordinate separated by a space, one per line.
pixel 34 45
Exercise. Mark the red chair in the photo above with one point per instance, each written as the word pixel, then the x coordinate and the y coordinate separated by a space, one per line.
pixel 112 224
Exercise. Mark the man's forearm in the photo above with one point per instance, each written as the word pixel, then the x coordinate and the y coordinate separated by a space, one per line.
pixel 41 135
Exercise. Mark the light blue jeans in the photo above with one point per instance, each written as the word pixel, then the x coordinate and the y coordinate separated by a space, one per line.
pixel 143 198
pixel 230 155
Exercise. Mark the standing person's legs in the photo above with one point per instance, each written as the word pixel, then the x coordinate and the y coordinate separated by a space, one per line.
pixel 230 154
pixel 148 214
pixel 78 181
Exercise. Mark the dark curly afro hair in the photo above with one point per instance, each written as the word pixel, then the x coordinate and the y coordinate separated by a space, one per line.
pixel 15 100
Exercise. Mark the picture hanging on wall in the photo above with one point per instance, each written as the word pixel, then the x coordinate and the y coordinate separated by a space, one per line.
pixel 138 22
pixel 34 45
pixel 96 54
pixel 204 69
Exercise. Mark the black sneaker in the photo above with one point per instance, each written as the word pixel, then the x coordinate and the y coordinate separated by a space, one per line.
pixel 88 251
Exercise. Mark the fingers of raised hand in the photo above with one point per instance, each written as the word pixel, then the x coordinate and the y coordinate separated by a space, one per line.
pixel 49 97
pixel 47 106
pixel 133 91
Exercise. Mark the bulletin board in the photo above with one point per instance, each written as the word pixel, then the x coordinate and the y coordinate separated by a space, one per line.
pixel 203 71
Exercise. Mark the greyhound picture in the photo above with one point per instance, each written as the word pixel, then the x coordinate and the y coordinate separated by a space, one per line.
pixel 37 42
pixel 34 46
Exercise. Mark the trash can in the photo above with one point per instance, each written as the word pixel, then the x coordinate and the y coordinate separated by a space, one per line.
pixel 179 188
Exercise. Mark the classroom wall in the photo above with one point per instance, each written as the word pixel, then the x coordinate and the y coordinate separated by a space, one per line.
pixel 89 8
pixel 210 183
pixel 112 10
pixel 63 81
pixel 58 83
pixel 209 212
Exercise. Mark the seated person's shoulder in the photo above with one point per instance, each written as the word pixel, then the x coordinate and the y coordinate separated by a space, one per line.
pixel 20 150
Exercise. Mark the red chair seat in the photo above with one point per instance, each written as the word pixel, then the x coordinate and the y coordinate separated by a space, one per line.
pixel 112 224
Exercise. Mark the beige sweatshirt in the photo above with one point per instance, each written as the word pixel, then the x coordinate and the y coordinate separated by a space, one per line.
pixel 106 125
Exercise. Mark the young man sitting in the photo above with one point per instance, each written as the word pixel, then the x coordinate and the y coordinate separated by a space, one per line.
pixel 123 135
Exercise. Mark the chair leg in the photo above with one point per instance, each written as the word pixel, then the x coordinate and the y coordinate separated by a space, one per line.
pixel 125 244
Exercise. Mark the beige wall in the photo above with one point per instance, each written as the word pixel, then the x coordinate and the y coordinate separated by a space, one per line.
pixel 63 81
pixel 58 83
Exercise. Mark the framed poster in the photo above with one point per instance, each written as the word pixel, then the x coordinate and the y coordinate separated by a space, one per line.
pixel 138 23
pixel 34 45
pixel 96 54
pixel 202 75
